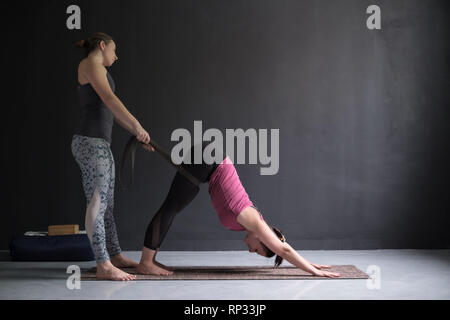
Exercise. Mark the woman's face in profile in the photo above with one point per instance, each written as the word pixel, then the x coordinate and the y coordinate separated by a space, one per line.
pixel 254 245
pixel 109 53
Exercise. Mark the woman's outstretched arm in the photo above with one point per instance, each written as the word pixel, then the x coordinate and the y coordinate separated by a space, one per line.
pixel 250 219
pixel 297 260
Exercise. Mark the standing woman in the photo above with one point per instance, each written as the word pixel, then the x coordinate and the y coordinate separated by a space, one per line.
pixel 91 149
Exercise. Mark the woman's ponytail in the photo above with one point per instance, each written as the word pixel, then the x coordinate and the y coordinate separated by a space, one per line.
pixel 270 253
pixel 81 44
pixel 93 41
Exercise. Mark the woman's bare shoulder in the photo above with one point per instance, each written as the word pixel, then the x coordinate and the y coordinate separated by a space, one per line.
pixel 88 67
pixel 87 64
pixel 82 71
pixel 249 218
pixel 82 64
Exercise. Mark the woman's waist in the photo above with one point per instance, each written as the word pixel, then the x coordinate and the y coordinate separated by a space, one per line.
pixel 221 172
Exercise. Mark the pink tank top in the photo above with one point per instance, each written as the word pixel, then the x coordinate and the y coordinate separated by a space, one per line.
pixel 228 195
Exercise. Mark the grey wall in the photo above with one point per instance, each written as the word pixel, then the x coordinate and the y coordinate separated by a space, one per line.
pixel 363 115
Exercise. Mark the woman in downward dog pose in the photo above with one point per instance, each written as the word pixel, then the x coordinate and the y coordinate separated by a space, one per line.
pixel 234 208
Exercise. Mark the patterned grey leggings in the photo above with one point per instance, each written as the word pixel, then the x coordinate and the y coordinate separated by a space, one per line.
pixel 96 162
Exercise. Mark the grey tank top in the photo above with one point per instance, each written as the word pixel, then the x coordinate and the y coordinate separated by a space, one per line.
pixel 96 119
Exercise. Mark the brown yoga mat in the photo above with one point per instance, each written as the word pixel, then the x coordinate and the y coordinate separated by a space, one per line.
pixel 239 273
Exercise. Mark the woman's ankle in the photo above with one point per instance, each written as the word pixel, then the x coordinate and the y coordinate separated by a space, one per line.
pixel 148 255
pixel 116 256
pixel 104 265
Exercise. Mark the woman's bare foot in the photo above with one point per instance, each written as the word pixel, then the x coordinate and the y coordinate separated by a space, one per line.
pixel 106 270
pixel 148 264
pixel 153 269
pixel 162 266
pixel 120 261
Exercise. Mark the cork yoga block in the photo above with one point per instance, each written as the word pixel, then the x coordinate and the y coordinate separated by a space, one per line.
pixel 58 230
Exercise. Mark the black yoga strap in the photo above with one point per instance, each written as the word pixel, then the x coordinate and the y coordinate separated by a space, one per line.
pixel 131 146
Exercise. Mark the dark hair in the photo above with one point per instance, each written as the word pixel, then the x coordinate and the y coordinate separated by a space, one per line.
pixel 93 42
pixel 270 253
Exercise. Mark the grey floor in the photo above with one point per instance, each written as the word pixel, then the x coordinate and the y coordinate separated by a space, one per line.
pixel 395 274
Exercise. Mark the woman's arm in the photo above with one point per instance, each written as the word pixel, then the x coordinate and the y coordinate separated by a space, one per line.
pixel 249 218
pixel 297 260
pixel 124 125
pixel 283 249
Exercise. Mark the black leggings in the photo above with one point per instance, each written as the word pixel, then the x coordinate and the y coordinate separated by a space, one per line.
pixel 181 193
